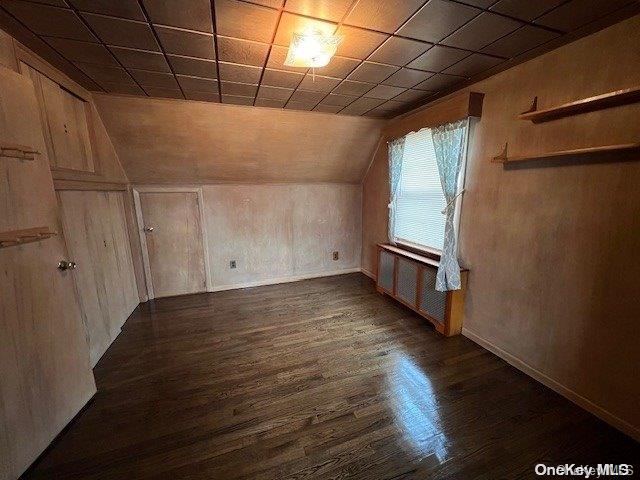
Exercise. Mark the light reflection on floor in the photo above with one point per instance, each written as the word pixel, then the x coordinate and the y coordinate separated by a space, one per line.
pixel 416 408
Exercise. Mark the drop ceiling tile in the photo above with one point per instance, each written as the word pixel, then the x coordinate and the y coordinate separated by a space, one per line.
pixel 383 16
pixel 280 78
pixel 236 50
pixel 237 100
pixel 154 79
pixel 438 82
pixel 481 3
pixel 50 21
pixel 481 31
pixel 323 107
pixel 77 51
pixel 274 93
pixel 232 72
pixel 361 106
pixel 577 13
pixel 268 3
pixel 338 100
pixel 270 102
pixel 412 96
pixel 407 78
pixel 304 96
pixel 525 9
pixel 438 58
pixel 122 8
pixel 358 43
pixel 121 32
pixel 197 67
pixel 391 107
pixel 399 51
pixel 384 92
pixel 291 23
pixel 160 92
pixel 54 3
pixel 197 84
pixel 243 20
pixel 194 14
pixel 373 72
pixel 378 113
pixel 338 67
pixel 242 89
pixel 520 41
pixel 131 89
pixel 299 106
pixel 332 10
pixel 203 96
pixel 437 19
pixel 141 59
pixel 103 73
pixel 349 87
pixel 277 57
pixel 472 65
pixel 186 42
pixel 316 83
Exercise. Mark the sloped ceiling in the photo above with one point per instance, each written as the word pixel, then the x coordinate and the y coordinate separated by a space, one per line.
pixel 171 141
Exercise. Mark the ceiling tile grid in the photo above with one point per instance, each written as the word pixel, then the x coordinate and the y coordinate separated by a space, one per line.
pixel 393 54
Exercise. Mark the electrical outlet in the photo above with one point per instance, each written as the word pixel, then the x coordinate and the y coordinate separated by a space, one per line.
pixel 336 255
pixel 232 264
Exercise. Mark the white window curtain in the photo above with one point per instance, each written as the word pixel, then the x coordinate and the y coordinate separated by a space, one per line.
pixel 449 144
pixel 396 151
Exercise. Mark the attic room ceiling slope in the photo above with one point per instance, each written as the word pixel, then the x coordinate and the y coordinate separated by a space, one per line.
pixel 394 53
pixel 168 141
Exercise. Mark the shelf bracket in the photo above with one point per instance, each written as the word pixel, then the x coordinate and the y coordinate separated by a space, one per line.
pixel 502 157
pixel 533 107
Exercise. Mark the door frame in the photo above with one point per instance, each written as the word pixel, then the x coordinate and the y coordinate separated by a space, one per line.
pixel 137 190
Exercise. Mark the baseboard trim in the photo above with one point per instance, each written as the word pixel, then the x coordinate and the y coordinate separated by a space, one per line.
pixel 275 281
pixel 369 274
pixel 613 420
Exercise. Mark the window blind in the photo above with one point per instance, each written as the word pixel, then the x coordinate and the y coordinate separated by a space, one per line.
pixel 420 201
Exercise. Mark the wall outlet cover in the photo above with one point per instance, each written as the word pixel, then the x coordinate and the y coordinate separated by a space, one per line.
pixel 336 255
pixel 232 264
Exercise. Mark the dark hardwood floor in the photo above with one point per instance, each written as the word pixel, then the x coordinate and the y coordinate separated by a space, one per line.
pixel 317 379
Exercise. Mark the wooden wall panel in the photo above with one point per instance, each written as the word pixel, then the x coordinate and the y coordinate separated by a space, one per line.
pixel 281 232
pixel 553 251
pixel 7 53
pixel 96 233
pixel 44 360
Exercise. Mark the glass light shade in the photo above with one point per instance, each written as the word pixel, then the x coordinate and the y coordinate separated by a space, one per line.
pixel 311 49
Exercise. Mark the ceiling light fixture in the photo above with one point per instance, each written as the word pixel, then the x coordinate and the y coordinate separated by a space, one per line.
pixel 311 49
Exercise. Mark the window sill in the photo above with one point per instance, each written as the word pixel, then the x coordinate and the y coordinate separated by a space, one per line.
pixel 420 250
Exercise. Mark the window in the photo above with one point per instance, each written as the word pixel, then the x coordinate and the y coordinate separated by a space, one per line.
pixel 420 201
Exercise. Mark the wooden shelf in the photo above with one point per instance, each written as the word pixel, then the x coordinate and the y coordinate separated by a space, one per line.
pixel 27 235
pixel 585 105
pixel 21 152
pixel 622 148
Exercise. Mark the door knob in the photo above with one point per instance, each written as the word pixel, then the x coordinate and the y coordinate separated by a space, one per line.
pixel 148 229
pixel 66 265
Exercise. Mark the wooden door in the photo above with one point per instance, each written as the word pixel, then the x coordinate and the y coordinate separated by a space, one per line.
pixel 65 118
pixel 174 243
pixel 44 358
pixel 95 229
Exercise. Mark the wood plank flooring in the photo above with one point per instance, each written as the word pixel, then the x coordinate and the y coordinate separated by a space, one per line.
pixel 317 379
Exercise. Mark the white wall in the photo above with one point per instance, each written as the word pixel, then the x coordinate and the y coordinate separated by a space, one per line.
pixel 281 232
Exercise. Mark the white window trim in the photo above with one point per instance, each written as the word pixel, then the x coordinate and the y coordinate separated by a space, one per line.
pixel 459 200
